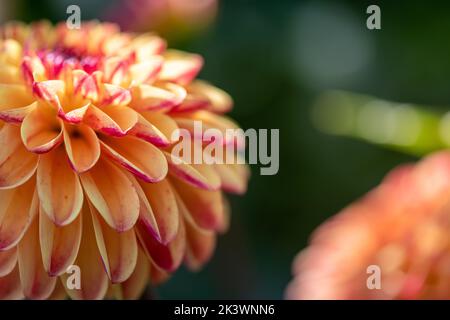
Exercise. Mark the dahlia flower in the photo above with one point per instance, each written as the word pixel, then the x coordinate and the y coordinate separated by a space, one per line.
pixel 86 174
pixel 402 227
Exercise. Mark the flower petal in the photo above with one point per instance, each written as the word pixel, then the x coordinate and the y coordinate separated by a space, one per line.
pixel 163 204
pixel 59 245
pixel 148 132
pixel 114 95
pixel 41 130
pixel 13 96
pixel 147 70
pixel 82 147
pixel 137 156
pixel 112 194
pixel 18 114
pixel 180 67
pixel 164 123
pixel 205 207
pixel 17 208
pixel 118 250
pixel 219 100
pixel 59 293
pixel 233 178
pixel 86 85
pixel 167 257
pixel 36 283
pixel 200 245
pixel 135 285
pixel 198 175
pixel 8 260
pixel 93 280
pixel 10 287
pixel 155 97
pixel 17 165
pixel 114 121
pixel 59 188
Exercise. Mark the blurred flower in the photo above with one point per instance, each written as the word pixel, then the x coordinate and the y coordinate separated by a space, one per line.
pixel 173 18
pixel 402 226
pixel 86 118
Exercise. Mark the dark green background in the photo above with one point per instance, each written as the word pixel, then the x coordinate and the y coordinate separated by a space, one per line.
pixel 254 51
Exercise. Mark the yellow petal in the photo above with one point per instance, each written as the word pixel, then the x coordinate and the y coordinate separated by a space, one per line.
pixel 8 260
pixel 114 121
pixel 112 194
pixel 163 204
pixel 41 130
pixel 139 157
pixel 59 245
pixel 58 187
pixel 155 97
pixel 219 100
pixel 162 122
pixel 150 133
pixel 13 96
pixel 17 164
pixel 36 283
pixel 118 250
pixel 180 67
pixel 147 70
pixel 82 147
pixel 17 208
pixel 93 280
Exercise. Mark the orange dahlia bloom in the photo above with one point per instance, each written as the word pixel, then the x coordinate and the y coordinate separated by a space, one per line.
pixel 86 174
pixel 402 227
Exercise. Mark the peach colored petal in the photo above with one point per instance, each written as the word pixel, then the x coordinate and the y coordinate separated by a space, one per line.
pixel 41 130
pixel 112 194
pixel 139 157
pixel 94 280
pixel 36 283
pixel 157 275
pixel 59 293
pixel 167 257
pixel 50 91
pixel 8 260
pixel 163 204
pixel 17 208
pixel 59 245
pixel 198 175
pixel 58 187
pixel 135 285
pixel 205 207
pixel 233 178
pixel 148 132
pixel 218 100
pixel 114 121
pixel 200 245
pixel 82 147
pixel 86 85
pixel 13 96
pixel 155 97
pixel 114 95
pixel 147 70
pixel 10 287
pixel 118 250
pixel 180 67
pixel 17 165
pixel 164 123
pixel 16 115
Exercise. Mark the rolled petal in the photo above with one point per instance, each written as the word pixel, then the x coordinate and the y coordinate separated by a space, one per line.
pixel 50 92
pixel 17 209
pixel 164 207
pixel 118 250
pixel 93 280
pixel 114 121
pixel 198 175
pixel 148 132
pixel 200 245
pixel 10 287
pixel 82 147
pixel 115 96
pixel 8 260
pixel 167 257
pixel 139 157
pixel 59 245
pixel 155 97
pixel 233 178
pixel 135 285
pixel 36 283
pixel 17 165
pixel 59 188
pixel 86 85
pixel 112 194
pixel 180 67
pixel 18 114
pixel 41 130
pixel 205 207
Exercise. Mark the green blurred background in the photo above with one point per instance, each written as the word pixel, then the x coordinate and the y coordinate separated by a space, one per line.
pixel 275 58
